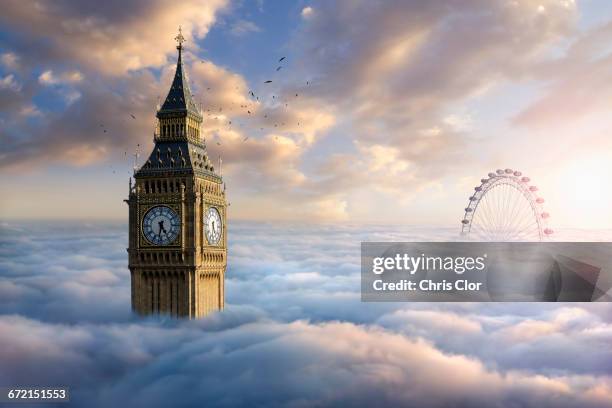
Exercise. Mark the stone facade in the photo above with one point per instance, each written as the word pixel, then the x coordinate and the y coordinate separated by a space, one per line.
pixel 183 274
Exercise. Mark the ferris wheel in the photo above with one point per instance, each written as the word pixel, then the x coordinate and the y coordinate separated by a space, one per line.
pixel 505 207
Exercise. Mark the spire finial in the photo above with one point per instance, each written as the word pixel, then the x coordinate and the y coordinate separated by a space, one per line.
pixel 180 39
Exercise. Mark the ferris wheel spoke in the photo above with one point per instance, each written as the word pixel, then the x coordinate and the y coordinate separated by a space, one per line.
pixel 505 210
pixel 513 208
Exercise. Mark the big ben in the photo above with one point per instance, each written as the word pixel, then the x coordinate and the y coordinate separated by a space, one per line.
pixel 177 215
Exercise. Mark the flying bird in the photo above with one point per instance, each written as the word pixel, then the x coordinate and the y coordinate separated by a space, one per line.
pixel 245 139
pixel 133 117
pixel 278 69
pixel 267 82
pixel 280 60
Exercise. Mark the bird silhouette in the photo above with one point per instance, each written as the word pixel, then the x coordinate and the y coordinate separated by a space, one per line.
pixel 280 60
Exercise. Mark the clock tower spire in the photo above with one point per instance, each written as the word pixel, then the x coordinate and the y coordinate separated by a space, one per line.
pixel 177 213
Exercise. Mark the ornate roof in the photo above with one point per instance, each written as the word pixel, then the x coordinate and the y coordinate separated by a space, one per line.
pixel 177 157
pixel 179 99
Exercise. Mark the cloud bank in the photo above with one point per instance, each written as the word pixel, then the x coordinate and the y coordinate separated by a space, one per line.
pixel 294 332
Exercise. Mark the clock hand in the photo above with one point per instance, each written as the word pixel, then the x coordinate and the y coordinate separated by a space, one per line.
pixel 161 228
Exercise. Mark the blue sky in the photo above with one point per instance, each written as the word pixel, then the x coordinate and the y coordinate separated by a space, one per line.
pixel 408 105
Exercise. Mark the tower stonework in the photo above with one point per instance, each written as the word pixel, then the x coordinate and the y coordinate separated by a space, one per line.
pixel 177 215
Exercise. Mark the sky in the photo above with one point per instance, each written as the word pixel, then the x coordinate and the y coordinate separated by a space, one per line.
pixel 395 120
pixel 293 332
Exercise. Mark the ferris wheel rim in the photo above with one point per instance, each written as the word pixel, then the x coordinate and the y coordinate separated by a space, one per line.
pixel 519 182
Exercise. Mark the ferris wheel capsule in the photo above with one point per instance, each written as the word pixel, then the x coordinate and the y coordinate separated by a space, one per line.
pixel 488 217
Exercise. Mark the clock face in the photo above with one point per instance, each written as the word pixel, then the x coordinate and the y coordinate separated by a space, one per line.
pixel 213 226
pixel 161 225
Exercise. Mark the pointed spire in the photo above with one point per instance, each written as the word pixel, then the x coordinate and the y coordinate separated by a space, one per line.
pixel 179 99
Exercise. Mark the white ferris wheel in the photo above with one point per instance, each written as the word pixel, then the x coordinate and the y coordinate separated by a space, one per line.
pixel 505 207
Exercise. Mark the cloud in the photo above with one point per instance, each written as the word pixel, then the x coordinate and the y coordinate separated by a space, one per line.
pixel 307 12
pixel 30 111
pixel 49 78
pixel 577 82
pixel 267 363
pixel 293 332
pixel 113 39
pixel 395 86
pixel 9 60
pixel 243 27
pixel 9 82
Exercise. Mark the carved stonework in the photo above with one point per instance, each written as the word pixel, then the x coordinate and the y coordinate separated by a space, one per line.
pixel 174 268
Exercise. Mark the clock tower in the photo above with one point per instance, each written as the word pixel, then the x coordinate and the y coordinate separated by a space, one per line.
pixel 177 215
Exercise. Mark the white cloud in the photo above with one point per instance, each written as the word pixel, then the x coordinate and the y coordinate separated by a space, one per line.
pixel 307 12
pixel 242 27
pixel 10 60
pixel 49 78
pixel 30 110
pixel 9 82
